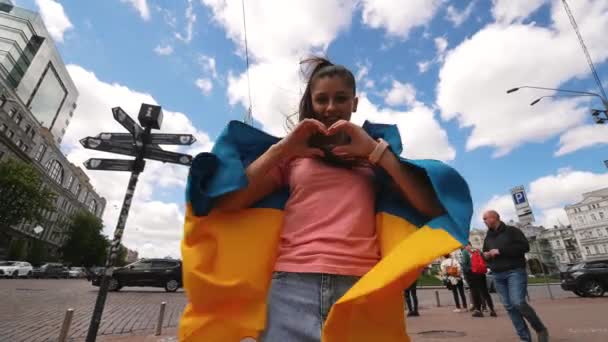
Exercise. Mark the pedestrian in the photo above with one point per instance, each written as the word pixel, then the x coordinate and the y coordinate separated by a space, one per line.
pixel 474 269
pixel 411 300
pixel 281 229
pixel 452 278
pixel 504 249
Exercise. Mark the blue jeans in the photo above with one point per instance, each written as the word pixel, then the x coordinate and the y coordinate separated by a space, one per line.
pixel 298 304
pixel 512 287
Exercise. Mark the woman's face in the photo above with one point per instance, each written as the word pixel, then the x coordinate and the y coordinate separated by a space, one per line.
pixel 332 100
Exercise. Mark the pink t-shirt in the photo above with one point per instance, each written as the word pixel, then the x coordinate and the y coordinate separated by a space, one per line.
pixel 329 224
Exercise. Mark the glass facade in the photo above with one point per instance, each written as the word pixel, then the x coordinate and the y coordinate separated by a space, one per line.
pixel 48 97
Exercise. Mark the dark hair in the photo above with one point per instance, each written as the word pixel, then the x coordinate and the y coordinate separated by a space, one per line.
pixel 316 68
pixel 447 256
pixel 313 69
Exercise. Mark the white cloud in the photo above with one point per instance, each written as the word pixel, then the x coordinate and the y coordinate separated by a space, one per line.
pixel 441 45
pixel 401 94
pixel 582 137
pixel 395 17
pixel 93 116
pixel 283 29
pixel 362 73
pixel 476 74
pixel 141 6
pixel 421 134
pixel 208 65
pixel 55 19
pixel 163 50
pixel 190 20
pixel 205 85
pixel 548 196
pixel 458 17
pixel 508 11
pixel 424 66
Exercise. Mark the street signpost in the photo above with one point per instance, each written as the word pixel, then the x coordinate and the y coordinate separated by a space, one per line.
pixel 110 164
pixel 522 207
pixel 141 144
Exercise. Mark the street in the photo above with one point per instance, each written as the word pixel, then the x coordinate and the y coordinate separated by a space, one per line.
pixel 33 310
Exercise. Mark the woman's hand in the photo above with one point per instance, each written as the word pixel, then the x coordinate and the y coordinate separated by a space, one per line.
pixel 361 144
pixel 296 143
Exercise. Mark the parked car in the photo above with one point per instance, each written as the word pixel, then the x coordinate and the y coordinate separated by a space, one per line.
pixel 586 279
pixel 165 273
pixel 76 272
pixel 15 269
pixel 51 270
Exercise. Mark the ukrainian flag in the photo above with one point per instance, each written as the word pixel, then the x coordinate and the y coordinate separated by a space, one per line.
pixel 228 259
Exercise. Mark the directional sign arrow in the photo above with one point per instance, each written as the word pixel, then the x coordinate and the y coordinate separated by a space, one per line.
pixel 109 164
pixel 108 146
pixel 172 139
pixel 167 156
pixel 126 121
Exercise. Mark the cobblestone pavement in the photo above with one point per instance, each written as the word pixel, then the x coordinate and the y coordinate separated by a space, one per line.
pixel 32 310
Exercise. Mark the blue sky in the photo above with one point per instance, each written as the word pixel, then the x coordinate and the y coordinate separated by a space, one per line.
pixel 438 69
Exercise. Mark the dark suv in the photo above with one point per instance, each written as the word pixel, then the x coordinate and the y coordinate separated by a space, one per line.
pixel 586 279
pixel 165 273
pixel 51 270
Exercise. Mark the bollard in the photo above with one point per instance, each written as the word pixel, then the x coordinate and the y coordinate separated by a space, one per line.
pixel 65 327
pixel 437 298
pixel 161 316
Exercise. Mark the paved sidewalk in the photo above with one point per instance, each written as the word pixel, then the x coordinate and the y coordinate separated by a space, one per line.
pixel 568 320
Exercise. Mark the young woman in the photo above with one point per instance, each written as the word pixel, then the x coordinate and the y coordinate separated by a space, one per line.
pixel 329 235
pixel 452 277
pixel 332 199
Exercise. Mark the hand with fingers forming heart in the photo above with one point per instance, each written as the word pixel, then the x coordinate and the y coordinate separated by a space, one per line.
pixel 361 145
pixel 296 143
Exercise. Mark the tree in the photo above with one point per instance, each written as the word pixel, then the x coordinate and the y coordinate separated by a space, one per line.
pixel 121 257
pixel 38 252
pixel 86 245
pixel 22 195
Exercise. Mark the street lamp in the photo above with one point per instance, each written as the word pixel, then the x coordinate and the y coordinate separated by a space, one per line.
pixel 574 93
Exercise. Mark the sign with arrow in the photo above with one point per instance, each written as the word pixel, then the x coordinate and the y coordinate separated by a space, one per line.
pixel 154 138
pixel 108 146
pixel 167 156
pixel 126 121
pixel 110 164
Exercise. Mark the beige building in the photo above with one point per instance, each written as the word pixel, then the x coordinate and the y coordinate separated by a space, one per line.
pixel 589 221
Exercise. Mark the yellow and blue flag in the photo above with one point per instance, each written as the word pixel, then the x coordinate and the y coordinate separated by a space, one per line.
pixel 228 259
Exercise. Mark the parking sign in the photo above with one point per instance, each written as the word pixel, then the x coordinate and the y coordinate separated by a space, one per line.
pixel 519 198
pixel 522 207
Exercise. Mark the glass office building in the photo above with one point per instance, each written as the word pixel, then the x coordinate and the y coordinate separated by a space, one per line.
pixel 33 68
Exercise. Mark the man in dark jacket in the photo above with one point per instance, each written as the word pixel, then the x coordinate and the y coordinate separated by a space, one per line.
pixel 504 250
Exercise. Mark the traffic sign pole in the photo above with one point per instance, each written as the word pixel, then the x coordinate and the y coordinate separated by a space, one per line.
pixel 141 144
pixel 114 248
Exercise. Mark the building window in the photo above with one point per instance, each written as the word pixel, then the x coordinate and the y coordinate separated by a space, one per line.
pixel 12 112
pixel 3 128
pixel 593 217
pixel 601 249
pixel 28 127
pixel 55 170
pixel 587 250
pixel 93 207
pixel 77 190
pixel 18 119
pixel 48 97
pixel 593 249
pixel 40 153
pixel 601 213
pixel 10 134
pixel 70 182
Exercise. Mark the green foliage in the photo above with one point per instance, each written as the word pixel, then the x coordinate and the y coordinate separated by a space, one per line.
pixel 38 252
pixel 22 196
pixel 17 250
pixel 86 245
pixel 121 257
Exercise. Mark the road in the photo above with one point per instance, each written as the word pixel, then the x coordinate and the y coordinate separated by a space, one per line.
pixel 32 309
